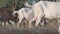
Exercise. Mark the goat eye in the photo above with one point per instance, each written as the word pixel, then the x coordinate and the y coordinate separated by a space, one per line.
pixel 16 14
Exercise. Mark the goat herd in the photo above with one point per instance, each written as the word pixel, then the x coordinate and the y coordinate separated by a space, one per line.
pixel 38 13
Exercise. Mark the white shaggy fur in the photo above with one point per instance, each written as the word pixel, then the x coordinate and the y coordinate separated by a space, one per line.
pixel 50 9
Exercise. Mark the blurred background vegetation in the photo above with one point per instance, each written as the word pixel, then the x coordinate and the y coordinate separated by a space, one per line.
pixel 17 4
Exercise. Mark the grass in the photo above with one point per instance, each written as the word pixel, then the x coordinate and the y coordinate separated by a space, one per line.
pixel 50 28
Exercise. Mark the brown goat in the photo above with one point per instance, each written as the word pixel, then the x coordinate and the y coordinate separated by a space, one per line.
pixel 5 16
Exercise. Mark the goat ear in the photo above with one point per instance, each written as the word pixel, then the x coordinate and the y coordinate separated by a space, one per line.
pixel 27 4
